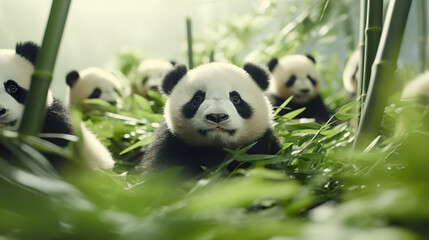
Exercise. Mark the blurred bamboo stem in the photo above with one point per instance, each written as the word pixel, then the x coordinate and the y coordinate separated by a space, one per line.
pixel 35 106
pixel 422 26
pixel 374 26
pixel 363 13
pixel 189 38
pixel 382 72
pixel 211 57
pixel 361 49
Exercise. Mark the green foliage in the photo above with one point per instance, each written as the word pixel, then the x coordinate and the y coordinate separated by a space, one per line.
pixel 276 28
pixel 125 130
pixel 314 187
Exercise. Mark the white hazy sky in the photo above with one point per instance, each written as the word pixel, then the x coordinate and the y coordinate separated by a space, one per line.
pixel 97 29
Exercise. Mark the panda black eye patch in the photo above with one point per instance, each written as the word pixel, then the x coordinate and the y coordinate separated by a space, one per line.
pixel 95 94
pixel 291 81
pixel 243 109
pixel 314 82
pixel 17 92
pixel 190 108
pixel 145 79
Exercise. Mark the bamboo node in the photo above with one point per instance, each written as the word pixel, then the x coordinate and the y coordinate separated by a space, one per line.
pixel 42 74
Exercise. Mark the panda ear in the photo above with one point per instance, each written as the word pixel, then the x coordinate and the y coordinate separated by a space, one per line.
pixel 72 78
pixel 272 64
pixel 258 74
pixel 27 50
pixel 311 58
pixel 173 77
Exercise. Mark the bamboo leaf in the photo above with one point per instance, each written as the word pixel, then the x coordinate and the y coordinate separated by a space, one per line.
pixel 142 102
pixel 137 144
pixel 282 106
pixel 293 114
pixel 324 9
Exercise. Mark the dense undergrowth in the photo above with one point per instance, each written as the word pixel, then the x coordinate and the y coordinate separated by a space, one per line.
pixel 316 187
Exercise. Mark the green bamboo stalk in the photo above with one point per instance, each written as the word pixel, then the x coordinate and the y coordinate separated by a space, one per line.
pixel 374 26
pixel 363 13
pixel 211 57
pixel 35 105
pixel 422 39
pixel 189 38
pixel 382 72
pixel 362 25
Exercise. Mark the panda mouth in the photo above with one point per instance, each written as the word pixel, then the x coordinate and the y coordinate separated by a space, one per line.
pixel 217 129
pixel 9 124
pixel 301 95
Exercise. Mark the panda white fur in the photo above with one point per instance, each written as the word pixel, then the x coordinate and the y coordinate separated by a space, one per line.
pixel 418 88
pixel 350 74
pixel 415 100
pixel 297 75
pixel 211 107
pixel 16 68
pixel 151 72
pixel 93 82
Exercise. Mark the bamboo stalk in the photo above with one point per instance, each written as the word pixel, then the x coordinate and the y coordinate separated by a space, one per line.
pixel 422 39
pixel 211 57
pixel 361 49
pixel 382 72
pixel 374 26
pixel 35 105
pixel 363 13
pixel 189 38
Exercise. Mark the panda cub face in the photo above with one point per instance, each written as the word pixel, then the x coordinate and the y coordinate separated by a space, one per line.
pixel 93 83
pixel 16 68
pixel 152 72
pixel 294 75
pixel 217 104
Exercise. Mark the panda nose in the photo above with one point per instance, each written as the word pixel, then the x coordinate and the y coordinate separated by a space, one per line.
pixel 112 102
pixel 217 118
pixel 154 88
pixel 305 90
pixel 2 111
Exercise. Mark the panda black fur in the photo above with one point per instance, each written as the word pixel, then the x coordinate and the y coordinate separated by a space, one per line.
pixel 297 75
pixel 212 107
pixel 93 82
pixel 16 68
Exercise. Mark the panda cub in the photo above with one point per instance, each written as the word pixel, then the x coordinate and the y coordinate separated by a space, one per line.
pixel 152 72
pixel 415 100
pixel 211 107
pixel 297 75
pixel 350 74
pixel 418 89
pixel 16 68
pixel 93 83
